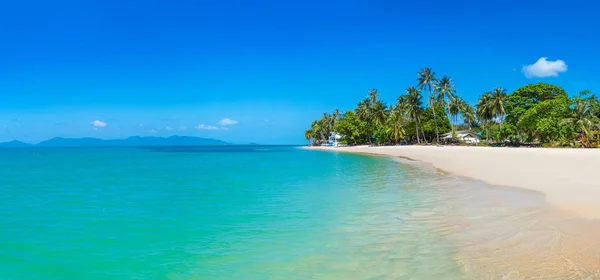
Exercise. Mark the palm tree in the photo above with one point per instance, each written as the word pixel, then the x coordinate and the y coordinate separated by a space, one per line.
pixel 373 96
pixel 309 135
pixel 583 117
pixel 395 123
pixel 454 108
pixel 445 92
pixel 427 81
pixel 468 113
pixel 363 112
pixel 333 118
pixel 412 105
pixel 497 104
pixel 484 112
pixel 317 133
pixel 378 113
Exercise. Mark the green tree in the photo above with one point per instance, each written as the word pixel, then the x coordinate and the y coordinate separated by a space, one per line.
pixel 445 93
pixel 582 117
pixel 379 113
pixel 352 128
pixel 544 120
pixel 468 113
pixel 484 112
pixel 525 98
pixel 427 81
pixel 454 108
pixel 395 124
pixel 411 104
pixel 497 104
pixel 429 125
pixel 373 96
pixel 364 113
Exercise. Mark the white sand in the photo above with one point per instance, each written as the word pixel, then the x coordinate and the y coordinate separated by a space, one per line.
pixel 570 178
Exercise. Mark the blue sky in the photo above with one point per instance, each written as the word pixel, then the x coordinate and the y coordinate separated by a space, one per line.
pixel 268 67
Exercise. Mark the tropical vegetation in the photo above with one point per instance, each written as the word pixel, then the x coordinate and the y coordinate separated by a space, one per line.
pixel 535 114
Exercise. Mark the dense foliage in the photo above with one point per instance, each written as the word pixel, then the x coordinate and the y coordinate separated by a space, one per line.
pixel 539 113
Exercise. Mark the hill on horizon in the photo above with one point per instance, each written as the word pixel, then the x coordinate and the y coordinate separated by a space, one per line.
pixel 132 141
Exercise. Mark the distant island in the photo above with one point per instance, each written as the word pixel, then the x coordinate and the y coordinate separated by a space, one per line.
pixel 134 141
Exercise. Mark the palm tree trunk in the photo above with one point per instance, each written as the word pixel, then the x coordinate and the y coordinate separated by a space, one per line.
pixel 437 134
pixel 417 130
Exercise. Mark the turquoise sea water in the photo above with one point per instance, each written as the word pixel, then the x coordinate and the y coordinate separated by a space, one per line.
pixel 214 213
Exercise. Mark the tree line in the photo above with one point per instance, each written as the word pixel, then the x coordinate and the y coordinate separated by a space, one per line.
pixel 540 114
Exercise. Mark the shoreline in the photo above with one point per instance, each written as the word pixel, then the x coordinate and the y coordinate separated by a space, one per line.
pixel 568 178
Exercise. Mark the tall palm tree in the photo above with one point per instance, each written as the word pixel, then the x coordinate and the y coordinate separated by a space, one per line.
pixel 468 113
pixel 427 81
pixel 484 111
pixel 373 96
pixel 378 113
pixel 395 124
pixel 445 93
pixel 454 108
pixel 497 104
pixel 333 118
pixel 363 112
pixel 412 105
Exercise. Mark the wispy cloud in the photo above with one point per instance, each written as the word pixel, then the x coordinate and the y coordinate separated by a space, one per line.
pixel 168 128
pixel 98 123
pixel 227 121
pixel 206 127
pixel 182 128
pixel 544 68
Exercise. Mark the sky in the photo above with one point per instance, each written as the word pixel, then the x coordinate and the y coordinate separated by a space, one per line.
pixel 260 71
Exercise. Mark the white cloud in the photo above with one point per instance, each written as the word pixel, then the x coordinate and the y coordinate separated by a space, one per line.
pixel 544 68
pixel 153 131
pixel 168 128
pixel 227 121
pixel 224 128
pixel 206 127
pixel 98 123
pixel 182 128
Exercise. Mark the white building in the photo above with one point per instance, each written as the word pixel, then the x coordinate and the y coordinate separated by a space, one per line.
pixel 464 136
pixel 333 139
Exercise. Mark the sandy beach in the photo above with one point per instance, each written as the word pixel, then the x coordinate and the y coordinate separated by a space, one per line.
pixel 569 178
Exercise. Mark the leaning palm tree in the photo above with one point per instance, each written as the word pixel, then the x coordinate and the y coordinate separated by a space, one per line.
pixel 497 104
pixel 445 93
pixel 309 135
pixel 427 81
pixel 412 105
pixel 395 124
pixel 484 111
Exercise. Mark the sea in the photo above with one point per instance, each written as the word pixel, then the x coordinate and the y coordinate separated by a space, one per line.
pixel 260 212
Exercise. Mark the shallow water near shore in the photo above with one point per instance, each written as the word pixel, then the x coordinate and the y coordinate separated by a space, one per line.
pixel 272 212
